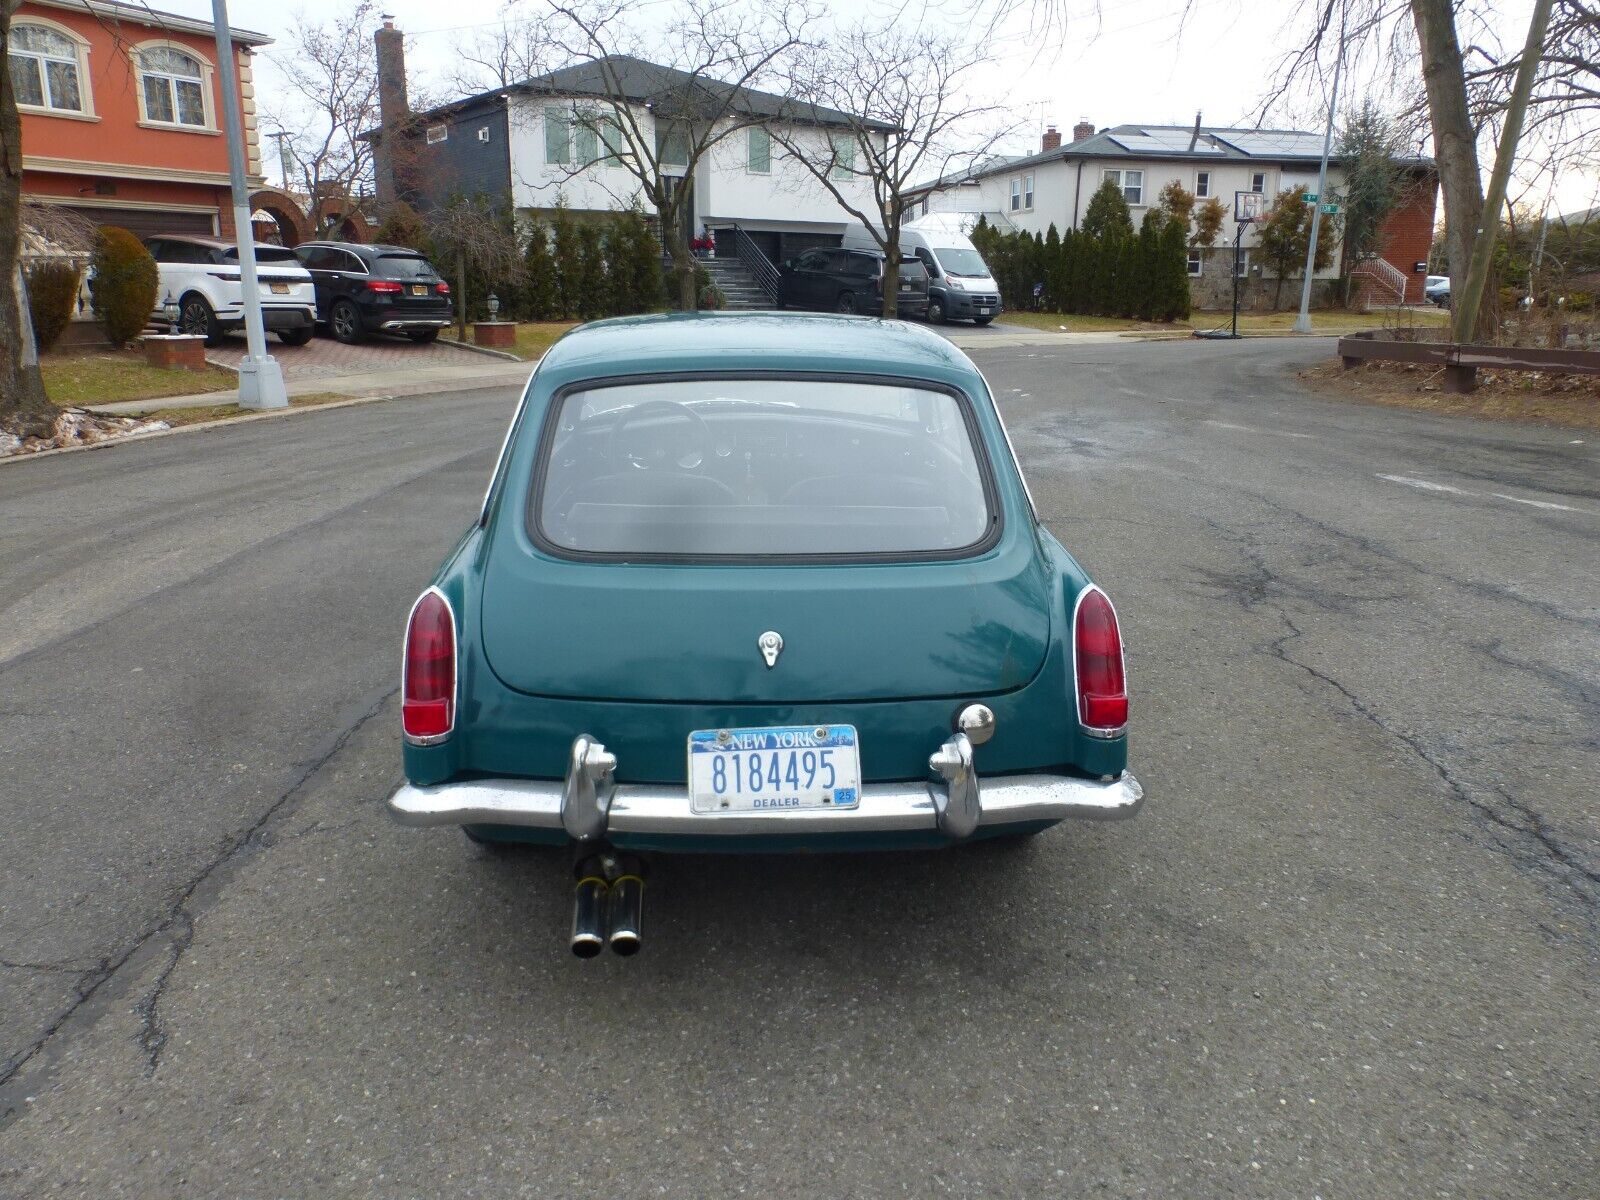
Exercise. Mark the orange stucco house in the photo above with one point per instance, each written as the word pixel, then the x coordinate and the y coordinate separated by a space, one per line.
pixel 122 114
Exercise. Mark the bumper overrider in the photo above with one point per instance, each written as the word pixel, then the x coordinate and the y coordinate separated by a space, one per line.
pixel 589 804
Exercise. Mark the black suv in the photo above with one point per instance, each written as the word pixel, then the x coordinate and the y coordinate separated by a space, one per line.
pixel 376 289
pixel 850 281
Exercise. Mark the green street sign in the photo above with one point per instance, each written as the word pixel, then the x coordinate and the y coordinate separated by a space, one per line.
pixel 1331 210
pixel 1309 197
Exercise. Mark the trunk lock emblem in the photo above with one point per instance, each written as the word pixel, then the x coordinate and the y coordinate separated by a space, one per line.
pixel 771 644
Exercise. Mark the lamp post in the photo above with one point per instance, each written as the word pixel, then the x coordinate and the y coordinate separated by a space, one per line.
pixel 171 311
pixel 494 306
pixel 260 378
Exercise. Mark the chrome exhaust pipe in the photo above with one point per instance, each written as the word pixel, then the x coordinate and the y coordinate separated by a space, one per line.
pixel 589 909
pixel 627 914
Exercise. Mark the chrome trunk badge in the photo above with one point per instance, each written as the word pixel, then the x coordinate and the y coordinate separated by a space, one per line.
pixel 771 643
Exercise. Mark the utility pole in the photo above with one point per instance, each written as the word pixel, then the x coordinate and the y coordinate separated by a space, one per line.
pixel 285 160
pixel 1464 323
pixel 260 377
pixel 1302 323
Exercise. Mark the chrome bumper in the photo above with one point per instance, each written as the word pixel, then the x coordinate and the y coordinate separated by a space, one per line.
pixel 659 809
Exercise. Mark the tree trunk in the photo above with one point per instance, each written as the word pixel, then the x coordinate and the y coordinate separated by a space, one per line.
pixel 891 273
pixel 1455 145
pixel 461 295
pixel 23 406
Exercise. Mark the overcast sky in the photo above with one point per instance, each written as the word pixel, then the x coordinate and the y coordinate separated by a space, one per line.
pixel 1134 63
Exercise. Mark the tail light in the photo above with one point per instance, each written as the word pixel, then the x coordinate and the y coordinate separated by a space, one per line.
pixel 442 288
pixel 387 286
pixel 1102 689
pixel 428 699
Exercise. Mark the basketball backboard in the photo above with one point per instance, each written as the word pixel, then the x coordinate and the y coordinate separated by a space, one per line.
pixel 1247 206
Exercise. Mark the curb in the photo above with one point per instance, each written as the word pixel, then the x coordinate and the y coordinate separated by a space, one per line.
pixel 271 414
pixel 480 349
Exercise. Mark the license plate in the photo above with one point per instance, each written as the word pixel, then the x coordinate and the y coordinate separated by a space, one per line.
pixel 783 767
pixel 905 287
pixel 280 289
pixel 983 312
pixel 418 290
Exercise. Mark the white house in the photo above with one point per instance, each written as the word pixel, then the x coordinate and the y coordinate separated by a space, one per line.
pixel 1053 187
pixel 560 138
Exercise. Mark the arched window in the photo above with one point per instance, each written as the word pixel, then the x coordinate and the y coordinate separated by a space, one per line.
pixel 46 69
pixel 173 86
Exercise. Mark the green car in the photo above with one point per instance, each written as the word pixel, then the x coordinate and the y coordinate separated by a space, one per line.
pixel 757 583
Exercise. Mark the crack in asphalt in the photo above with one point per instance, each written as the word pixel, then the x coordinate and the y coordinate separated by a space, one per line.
pixel 152 1034
pixel 1262 587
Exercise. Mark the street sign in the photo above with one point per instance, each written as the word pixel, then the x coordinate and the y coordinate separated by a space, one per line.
pixel 1309 197
pixel 1330 210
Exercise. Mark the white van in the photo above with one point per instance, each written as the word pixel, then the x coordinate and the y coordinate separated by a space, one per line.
pixel 959 284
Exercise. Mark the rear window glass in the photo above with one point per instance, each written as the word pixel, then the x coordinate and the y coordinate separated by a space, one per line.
pixel 404 266
pixel 761 467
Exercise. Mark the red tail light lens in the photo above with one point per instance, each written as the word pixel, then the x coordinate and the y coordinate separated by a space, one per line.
pixel 428 700
pixel 442 288
pixel 385 285
pixel 1102 691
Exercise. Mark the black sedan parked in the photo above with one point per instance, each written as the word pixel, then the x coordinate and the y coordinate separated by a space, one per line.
pixel 363 290
pixel 850 281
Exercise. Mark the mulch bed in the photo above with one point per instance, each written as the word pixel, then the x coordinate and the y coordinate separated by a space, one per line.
pixel 1542 397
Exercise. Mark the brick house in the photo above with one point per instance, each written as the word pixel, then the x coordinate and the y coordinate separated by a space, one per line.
pixel 121 110
pixel 1053 187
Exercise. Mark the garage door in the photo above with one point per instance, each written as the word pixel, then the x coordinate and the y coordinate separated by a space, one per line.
pixel 147 221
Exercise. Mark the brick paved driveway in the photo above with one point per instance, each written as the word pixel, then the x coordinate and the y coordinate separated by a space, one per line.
pixel 324 358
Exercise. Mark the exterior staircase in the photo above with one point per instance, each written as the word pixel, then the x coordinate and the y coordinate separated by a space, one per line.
pixel 737 283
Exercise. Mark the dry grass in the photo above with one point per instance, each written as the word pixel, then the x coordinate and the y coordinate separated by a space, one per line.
pixel 1569 401
pixel 535 337
pixel 124 375
pixel 223 412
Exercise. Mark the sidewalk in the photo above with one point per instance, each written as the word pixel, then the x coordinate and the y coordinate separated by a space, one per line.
pixel 413 381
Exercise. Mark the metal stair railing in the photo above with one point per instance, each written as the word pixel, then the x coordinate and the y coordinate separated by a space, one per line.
pixel 757 263
pixel 1383 272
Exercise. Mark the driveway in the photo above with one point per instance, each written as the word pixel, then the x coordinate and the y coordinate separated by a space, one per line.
pixel 325 358
pixel 1350 948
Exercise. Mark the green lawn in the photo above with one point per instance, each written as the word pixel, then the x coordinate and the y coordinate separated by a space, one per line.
pixel 1330 321
pixel 535 337
pixel 221 412
pixel 124 375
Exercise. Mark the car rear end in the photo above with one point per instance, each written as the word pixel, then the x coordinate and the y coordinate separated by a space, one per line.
pixel 406 294
pixel 854 637
pixel 288 299
pixel 913 289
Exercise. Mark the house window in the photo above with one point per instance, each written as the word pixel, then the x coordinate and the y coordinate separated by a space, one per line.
pixel 1242 269
pixel 844 156
pixel 1027 192
pixel 1202 184
pixel 613 139
pixel 46 69
pixel 437 134
pixel 172 85
pixel 586 135
pixel 758 151
pixel 1016 195
pixel 924 206
pixel 557 133
pixel 1258 182
pixel 1131 183
pixel 672 145
pixel 1195 260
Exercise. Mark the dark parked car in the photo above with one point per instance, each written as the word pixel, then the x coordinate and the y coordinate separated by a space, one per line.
pixel 850 281
pixel 363 290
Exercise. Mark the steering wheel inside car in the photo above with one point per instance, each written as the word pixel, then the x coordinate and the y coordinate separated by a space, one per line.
pixel 683 448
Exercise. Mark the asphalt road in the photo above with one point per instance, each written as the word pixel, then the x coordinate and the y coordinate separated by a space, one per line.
pixel 1350 949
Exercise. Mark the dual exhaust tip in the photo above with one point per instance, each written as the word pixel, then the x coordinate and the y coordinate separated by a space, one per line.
pixel 607 906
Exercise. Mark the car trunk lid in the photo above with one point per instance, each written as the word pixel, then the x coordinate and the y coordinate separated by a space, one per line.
pixel 612 631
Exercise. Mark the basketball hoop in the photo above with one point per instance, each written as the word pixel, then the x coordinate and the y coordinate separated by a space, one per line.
pixel 1247 207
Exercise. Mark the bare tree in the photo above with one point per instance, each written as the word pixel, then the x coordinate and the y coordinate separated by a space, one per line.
pixel 332 86
pixel 888 104
pixel 23 405
pixel 660 111
pixel 470 237
pixel 517 49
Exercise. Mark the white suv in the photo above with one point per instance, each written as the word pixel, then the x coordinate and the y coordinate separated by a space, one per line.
pixel 201 276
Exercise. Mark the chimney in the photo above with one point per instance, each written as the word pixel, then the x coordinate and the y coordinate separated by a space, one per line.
pixel 1083 131
pixel 393 110
pixel 1052 139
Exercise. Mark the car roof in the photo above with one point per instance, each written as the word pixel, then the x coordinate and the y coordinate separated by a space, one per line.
pixel 755 341
pixel 359 247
